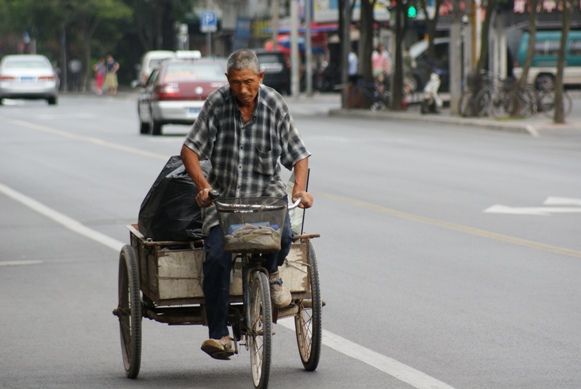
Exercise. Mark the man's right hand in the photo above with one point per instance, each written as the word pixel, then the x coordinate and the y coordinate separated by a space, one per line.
pixel 203 198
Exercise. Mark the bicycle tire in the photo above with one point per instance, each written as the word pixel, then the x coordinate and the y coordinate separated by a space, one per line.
pixel 259 331
pixel 308 320
pixel 129 311
pixel 464 106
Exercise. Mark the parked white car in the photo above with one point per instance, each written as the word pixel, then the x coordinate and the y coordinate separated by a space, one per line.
pixel 28 76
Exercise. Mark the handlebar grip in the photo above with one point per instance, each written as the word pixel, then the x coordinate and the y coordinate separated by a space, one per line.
pixel 213 194
pixel 295 204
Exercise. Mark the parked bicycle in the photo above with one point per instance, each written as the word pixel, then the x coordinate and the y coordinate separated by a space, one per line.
pixel 512 99
pixel 376 93
pixel 545 97
pixel 475 100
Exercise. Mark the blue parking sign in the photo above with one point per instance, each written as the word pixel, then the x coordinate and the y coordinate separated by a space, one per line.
pixel 209 22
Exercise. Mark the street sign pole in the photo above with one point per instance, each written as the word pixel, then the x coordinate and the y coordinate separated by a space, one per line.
pixel 208 25
pixel 209 43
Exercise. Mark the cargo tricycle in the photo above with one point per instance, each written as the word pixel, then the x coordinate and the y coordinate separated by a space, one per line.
pixel 162 281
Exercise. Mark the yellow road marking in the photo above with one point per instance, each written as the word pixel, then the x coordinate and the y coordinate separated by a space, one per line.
pixel 89 139
pixel 453 226
pixel 343 199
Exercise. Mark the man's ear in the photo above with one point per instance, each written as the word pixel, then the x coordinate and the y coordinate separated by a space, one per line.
pixel 261 75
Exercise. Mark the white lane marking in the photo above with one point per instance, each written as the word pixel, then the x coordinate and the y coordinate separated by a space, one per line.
pixel 19 263
pixel 383 363
pixel 551 200
pixel 534 211
pixel 61 219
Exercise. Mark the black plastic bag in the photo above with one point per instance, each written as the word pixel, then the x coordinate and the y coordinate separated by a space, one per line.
pixel 169 210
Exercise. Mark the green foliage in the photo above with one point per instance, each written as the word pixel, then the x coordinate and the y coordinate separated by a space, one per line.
pixel 124 28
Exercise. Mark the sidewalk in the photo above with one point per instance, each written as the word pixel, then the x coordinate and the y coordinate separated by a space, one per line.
pixel 537 125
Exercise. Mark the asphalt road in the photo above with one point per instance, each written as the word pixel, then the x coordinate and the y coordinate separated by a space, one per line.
pixel 424 287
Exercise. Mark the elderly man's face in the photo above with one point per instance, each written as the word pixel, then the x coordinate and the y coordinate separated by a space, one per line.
pixel 244 84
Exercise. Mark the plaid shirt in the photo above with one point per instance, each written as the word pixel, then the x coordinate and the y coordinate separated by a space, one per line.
pixel 245 156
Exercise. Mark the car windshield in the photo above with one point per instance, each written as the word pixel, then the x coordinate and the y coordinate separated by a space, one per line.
pixel 153 63
pixel 25 63
pixel 194 72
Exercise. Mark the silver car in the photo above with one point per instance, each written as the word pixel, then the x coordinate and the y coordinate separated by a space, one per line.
pixel 175 92
pixel 28 76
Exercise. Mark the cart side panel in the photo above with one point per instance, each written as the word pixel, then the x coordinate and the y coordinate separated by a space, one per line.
pixel 294 270
pixel 180 274
pixel 152 279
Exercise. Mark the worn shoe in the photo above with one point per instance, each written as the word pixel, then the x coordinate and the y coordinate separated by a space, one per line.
pixel 279 294
pixel 219 348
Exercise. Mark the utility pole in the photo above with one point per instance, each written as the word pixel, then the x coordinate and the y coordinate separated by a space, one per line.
pixel 274 23
pixel 308 48
pixel 295 63
pixel 346 49
pixel 474 33
pixel 455 58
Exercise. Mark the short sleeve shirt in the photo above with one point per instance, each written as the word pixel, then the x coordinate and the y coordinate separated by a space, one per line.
pixel 245 157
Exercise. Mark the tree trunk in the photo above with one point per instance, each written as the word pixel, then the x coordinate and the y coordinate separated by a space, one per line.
pixel 366 39
pixel 341 6
pixel 566 19
pixel 397 79
pixel 483 59
pixel 168 26
pixel 531 44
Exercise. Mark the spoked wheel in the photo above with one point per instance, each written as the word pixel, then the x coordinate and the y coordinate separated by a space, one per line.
pixel 129 311
pixel 260 329
pixel 546 102
pixel 308 319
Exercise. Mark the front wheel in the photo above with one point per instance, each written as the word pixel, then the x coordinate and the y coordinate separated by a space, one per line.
pixel 259 331
pixel 308 325
pixel 129 311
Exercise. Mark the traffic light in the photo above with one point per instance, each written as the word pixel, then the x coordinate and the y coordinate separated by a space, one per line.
pixel 412 11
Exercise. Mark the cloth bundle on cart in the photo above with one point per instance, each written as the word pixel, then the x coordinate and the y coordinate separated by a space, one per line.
pixel 169 211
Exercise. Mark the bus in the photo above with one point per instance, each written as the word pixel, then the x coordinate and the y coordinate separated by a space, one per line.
pixel 544 65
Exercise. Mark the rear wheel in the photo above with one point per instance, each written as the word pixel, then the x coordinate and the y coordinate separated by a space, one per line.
pixel 308 325
pixel 259 331
pixel 129 311
pixel 143 128
pixel 545 82
pixel 154 125
pixel 52 100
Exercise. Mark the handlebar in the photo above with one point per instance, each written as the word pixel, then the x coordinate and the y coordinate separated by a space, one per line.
pixel 214 195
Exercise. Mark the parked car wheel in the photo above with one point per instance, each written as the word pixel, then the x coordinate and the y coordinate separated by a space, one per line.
pixel 143 128
pixel 52 100
pixel 154 125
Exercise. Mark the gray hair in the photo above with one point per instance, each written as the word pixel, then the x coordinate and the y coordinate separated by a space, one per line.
pixel 243 59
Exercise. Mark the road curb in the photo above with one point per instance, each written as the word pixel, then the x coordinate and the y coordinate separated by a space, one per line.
pixel 522 128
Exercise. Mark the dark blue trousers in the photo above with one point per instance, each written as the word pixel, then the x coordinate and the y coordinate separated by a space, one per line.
pixel 217 267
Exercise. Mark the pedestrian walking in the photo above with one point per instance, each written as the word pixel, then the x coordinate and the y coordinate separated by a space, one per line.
pixel 100 70
pixel 111 84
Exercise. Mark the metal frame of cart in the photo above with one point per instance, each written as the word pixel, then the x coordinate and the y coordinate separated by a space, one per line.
pixel 162 281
